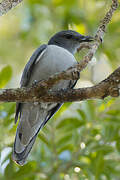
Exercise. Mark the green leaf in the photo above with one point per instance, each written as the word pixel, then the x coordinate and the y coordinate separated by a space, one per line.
pixel 62 109
pixel 105 149
pixel 5 76
pixel 82 114
pixel 25 171
pixel 42 136
pixel 114 112
pixel 118 145
pixel 69 122
pixel 64 139
pixel 9 170
pixel 69 147
pixel 89 109
pixel 99 165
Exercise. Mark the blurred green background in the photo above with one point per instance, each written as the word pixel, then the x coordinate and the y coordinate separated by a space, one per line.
pixel 82 141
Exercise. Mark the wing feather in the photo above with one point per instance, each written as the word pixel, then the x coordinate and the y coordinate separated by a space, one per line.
pixel 27 73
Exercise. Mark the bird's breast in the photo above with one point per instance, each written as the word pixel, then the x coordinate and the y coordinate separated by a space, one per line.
pixel 53 60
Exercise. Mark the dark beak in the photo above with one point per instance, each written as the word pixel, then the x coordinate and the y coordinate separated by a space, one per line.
pixel 82 40
pixel 86 39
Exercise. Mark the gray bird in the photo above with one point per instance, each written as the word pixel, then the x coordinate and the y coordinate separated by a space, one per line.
pixel 48 59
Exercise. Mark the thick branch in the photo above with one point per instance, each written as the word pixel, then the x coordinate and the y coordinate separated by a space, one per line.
pixel 7 5
pixel 108 87
pixel 40 92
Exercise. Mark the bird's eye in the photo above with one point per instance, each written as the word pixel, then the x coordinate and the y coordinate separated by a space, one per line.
pixel 68 36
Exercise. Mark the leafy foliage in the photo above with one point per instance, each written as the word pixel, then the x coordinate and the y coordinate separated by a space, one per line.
pixel 80 144
pixel 5 76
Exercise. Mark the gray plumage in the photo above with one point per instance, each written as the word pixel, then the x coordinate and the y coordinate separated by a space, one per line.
pixel 47 60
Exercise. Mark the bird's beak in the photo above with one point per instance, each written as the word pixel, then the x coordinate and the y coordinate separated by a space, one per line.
pixel 86 39
pixel 83 42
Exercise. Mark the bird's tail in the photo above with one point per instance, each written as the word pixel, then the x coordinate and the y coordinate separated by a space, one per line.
pixel 20 158
pixel 32 119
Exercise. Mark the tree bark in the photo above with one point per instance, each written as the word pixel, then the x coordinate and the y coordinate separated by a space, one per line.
pixel 7 5
pixel 108 87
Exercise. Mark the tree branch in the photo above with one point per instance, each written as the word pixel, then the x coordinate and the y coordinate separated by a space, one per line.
pixel 41 91
pixel 7 5
pixel 108 87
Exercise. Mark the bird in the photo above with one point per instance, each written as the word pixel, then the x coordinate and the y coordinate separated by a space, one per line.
pixel 51 58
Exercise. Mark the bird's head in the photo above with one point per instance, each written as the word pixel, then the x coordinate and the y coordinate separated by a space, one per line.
pixel 69 39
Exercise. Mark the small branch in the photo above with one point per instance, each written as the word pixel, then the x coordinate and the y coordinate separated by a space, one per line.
pixel 103 25
pixel 99 36
pixel 108 87
pixel 84 45
pixel 7 5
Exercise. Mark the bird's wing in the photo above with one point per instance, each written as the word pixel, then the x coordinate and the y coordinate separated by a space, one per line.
pixel 27 73
pixel 29 66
